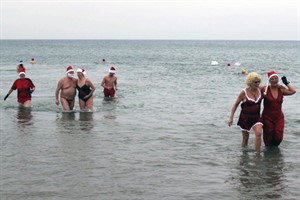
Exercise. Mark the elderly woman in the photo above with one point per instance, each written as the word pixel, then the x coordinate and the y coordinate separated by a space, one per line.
pixel 272 114
pixel 24 87
pixel 85 89
pixel 249 118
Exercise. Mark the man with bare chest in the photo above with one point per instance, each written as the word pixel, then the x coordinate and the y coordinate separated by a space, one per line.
pixel 67 88
pixel 109 83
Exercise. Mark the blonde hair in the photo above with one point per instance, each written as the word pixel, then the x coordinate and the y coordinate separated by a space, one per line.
pixel 251 77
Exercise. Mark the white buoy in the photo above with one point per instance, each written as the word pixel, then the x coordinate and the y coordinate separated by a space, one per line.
pixel 214 63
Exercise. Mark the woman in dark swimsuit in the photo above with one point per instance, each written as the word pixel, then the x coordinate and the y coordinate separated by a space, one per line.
pixel 249 118
pixel 85 91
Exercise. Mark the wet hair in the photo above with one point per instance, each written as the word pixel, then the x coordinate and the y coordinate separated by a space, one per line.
pixel 251 77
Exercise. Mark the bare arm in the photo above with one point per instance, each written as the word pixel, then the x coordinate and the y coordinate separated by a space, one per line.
pixel 234 107
pixel 116 84
pixel 58 88
pixel 9 92
pixel 288 90
pixel 103 82
pixel 91 85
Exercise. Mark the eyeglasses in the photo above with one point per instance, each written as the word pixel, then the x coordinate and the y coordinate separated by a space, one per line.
pixel 256 82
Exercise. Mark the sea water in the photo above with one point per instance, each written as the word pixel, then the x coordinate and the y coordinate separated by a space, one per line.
pixel 164 137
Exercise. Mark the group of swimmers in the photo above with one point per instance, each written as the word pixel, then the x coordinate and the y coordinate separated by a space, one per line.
pixel 271 122
pixel 66 89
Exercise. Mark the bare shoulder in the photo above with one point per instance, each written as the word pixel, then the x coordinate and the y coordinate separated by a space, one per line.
pixel 242 94
pixel 88 81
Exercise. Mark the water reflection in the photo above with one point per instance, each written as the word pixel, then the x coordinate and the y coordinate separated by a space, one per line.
pixel 86 121
pixel 109 105
pixel 24 117
pixel 67 121
pixel 261 176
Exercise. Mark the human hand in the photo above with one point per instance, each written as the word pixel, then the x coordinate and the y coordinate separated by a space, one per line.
pixel 284 80
pixel 56 102
pixel 6 97
pixel 30 91
pixel 230 121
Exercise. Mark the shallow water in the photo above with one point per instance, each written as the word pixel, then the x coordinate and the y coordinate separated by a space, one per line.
pixel 164 137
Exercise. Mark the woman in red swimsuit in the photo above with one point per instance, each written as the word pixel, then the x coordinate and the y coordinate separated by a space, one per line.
pixel 25 87
pixel 272 115
pixel 250 113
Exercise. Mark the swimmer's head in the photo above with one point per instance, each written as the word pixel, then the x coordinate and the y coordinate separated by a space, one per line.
pixel 22 72
pixel 112 70
pixel 81 70
pixel 70 72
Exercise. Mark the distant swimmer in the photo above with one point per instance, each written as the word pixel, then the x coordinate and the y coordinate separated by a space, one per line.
pixel 20 66
pixel 85 89
pixel 24 87
pixel 109 83
pixel 244 71
pixel 103 62
pixel 32 61
pixel 67 88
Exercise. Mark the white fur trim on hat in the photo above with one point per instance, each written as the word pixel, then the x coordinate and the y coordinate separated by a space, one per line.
pixel 112 70
pixel 81 70
pixel 69 69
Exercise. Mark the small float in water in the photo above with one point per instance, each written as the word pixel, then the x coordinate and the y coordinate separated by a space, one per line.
pixel 214 63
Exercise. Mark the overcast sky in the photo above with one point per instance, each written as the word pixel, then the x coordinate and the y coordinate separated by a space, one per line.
pixel 151 19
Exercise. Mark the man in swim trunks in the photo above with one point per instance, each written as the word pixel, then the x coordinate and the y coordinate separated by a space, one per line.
pixel 67 88
pixel 109 83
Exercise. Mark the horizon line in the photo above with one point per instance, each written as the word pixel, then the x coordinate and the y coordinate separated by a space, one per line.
pixel 168 39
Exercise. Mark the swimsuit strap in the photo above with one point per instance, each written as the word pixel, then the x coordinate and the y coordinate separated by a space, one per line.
pixel 257 100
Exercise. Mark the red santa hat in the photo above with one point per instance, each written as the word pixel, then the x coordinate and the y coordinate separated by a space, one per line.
pixel 70 69
pixel 81 70
pixel 22 71
pixel 112 70
pixel 270 75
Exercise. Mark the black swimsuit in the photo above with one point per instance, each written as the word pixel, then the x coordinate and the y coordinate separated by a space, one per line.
pixel 83 91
